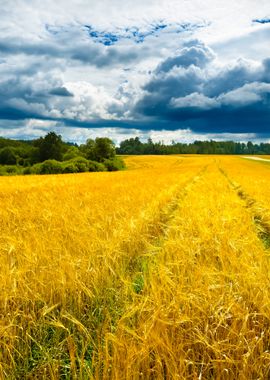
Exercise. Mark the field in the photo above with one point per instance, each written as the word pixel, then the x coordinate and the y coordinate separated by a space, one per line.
pixel 157 272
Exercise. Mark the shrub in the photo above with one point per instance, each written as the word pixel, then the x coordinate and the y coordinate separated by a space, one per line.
pixel 11 169
pixel 94 166
pixel 72 153
pixel 69 167
pixel 114 164
pixel 27 170
pixel 48 167
pixel 81 164
pixel 35 169
pixel 77 165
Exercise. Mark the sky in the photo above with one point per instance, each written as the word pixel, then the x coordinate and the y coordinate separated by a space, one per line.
pixel 179 70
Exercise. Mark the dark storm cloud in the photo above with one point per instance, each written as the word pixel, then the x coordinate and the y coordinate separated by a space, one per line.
pixel 266 72
pixel 60 91
pixel 198 55
pixel 33 94
pixel 188 90
pixel 13 113
pixel 231 78
pixel 248 119
pixel 164 87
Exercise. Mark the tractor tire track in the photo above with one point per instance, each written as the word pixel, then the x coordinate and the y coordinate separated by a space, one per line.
pixel 157 230
pixel 260 215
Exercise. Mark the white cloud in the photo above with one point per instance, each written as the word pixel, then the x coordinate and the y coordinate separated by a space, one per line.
pixel 243 96
pixel 90 102
pixel 45 46
pixel 248 94
pixel 226 16
pixel 188 136
pixel 194 100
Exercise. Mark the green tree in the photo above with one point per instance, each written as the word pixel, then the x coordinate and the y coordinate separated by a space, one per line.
pixel 100 149
pixel 72 152
pixel 88 148
pixel 50 147
pixel 131 146
pixel 8 156
pixel 103 148
pixel 250 148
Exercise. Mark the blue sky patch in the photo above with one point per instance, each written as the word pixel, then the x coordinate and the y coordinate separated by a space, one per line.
pixel 134 33
pixel 262 20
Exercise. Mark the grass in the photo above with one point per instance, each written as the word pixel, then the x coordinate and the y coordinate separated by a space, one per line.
pixel 158 272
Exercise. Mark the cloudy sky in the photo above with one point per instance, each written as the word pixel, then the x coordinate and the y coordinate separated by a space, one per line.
pixel 166 69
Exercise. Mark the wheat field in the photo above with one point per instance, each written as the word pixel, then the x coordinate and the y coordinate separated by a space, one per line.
pixel 157 272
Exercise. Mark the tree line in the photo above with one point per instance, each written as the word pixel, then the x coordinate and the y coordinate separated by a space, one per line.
pixel 51 155
pixel 135 146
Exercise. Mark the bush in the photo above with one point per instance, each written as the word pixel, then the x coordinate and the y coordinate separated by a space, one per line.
pixel 35 169
pixel 27 170
pixel 114 164
pixel 11 169
pixel 77 165
pixel 48 167
pixel 94 166
pixel 69 167
pixel 81 164
pixel 72 153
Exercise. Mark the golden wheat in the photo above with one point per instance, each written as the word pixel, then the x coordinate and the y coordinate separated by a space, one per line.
pixel 157 272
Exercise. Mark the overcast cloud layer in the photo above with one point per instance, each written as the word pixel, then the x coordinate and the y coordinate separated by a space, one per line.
pixel 170 70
